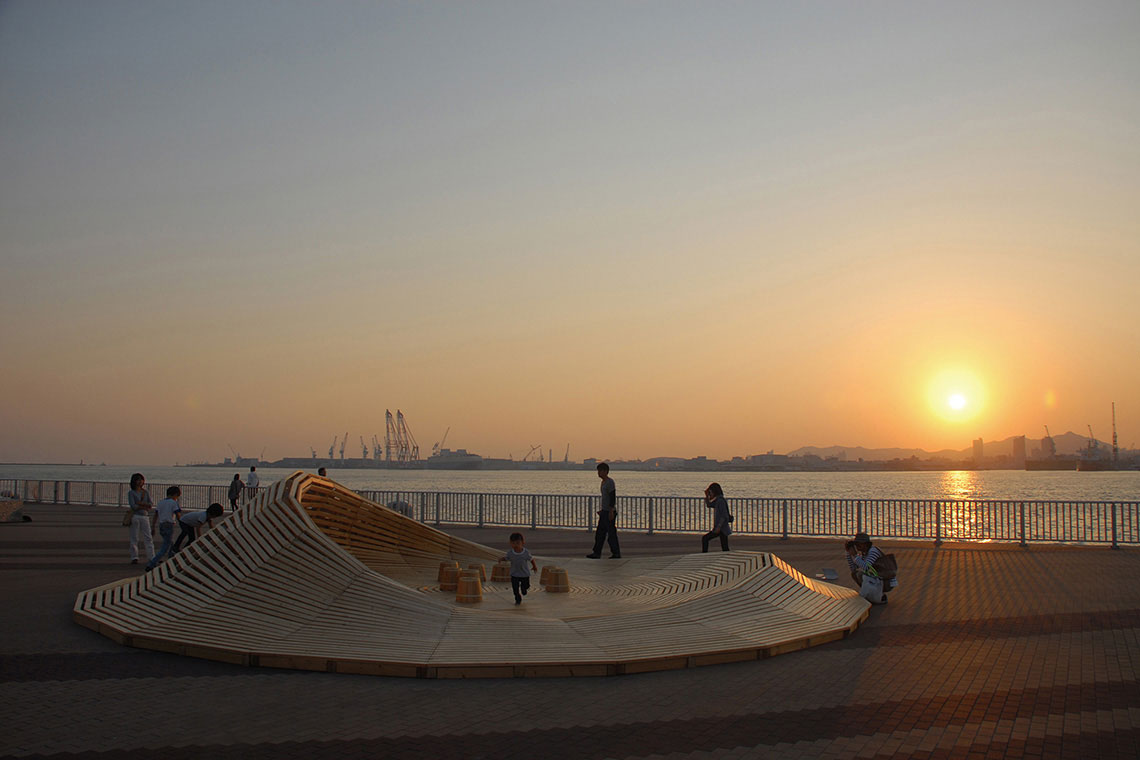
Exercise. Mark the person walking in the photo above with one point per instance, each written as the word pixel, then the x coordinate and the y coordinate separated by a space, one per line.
pixel 607 517
pixel 520 558
pixel 714 500
pixel 139 504
pixel 236 487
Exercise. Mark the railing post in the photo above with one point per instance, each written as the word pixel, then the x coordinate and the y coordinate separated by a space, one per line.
pixel 120 495
pixel 423 506
pixel 533 512
pixel 859 516
pixel 480 510
pixel 784 519
pixel 94 500
pixel 67 492
pixel 1021 505
pixel 55 492
pixel 1113 516
pixel 938 522
pixel 437 508
pixel 651 515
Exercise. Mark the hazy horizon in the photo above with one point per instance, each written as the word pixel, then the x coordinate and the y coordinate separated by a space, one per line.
pixel 715 229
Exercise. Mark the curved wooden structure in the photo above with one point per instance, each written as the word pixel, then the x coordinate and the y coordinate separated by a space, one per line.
pixel 311 576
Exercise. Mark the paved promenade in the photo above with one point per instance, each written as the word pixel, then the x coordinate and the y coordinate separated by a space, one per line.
pixel 983 652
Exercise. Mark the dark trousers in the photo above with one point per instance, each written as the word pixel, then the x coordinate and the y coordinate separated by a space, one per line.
pixel 233 503
pixel 710 536
pixel 607 531
pixel 520 586
pixel 188 533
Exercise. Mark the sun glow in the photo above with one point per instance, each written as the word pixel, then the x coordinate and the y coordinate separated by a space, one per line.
pixel 956 395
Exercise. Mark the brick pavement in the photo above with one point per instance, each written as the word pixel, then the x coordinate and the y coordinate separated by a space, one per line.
pixel 982 652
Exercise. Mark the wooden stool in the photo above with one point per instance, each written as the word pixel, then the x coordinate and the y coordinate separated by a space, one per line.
pixel 501 572
pixel 449 578
pixel 558 582
pixel 481 569
pixel 544 576
pixel 443 566
pixel 470 589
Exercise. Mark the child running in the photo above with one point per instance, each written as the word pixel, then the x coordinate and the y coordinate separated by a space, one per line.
pixel 518 556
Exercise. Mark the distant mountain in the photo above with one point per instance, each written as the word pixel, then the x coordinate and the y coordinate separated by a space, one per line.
pixel 1066 443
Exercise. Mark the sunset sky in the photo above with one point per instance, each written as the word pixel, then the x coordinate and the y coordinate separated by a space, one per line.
pixel 643 229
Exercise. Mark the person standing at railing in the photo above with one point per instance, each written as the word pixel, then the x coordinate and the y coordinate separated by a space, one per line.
pixel 139 504
pixel 251 481
pixel 236 487
pixel 607 517
pixel 714 500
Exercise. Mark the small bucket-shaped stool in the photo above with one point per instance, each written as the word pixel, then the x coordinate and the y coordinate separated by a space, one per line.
pixel 448 578
pixel 470 589
pixel 481 569
pixel 501 572
pixel 544 576
pixel 558 582
pixel 443 566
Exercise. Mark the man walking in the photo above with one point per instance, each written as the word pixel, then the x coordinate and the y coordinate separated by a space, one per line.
pixel 607 517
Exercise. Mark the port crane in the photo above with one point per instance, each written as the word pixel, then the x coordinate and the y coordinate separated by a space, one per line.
pixel 1092 440
pixel 363 449
pixel 438 446
pixel 1115 448
pixel 332 448
pixel 537 447
pixel 237 456
pixel 399 443
pixel 566 456
pixel 342 445
pixel 375 449
pixel 313 451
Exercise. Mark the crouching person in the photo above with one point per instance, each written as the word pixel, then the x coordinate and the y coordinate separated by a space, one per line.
pixel 861 558
pixel 192 523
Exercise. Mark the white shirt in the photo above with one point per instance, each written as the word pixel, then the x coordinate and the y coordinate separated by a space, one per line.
pixel 167 509
pixel 252 480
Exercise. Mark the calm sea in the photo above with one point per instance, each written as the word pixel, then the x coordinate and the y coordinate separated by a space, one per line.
pixel 994 484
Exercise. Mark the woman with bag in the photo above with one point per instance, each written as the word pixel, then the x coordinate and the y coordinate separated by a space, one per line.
pixel 861 558
pixel 714 500
pixel 139 507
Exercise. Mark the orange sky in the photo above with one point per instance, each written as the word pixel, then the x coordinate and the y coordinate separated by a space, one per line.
pixel 709 233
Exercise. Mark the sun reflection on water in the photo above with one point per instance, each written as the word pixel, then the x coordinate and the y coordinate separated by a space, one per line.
pixel 959 484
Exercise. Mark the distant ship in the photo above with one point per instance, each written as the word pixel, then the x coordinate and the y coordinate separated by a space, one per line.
pixel 460 459
pixel 1057 462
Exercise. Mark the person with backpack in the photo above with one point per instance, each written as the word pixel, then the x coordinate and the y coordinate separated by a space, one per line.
pixel 866 563
pixel 714 500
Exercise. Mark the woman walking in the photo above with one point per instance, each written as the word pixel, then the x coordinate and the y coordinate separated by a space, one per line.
pixel 714 500
pixel 138 501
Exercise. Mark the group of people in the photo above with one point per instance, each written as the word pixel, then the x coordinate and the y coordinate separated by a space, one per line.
pixel 237 487
pixel 147 517
pixel 606 531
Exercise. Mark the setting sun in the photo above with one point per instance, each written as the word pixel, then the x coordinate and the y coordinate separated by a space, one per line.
pixel 956 395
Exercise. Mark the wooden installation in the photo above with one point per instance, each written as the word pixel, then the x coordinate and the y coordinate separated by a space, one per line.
pixel 470 588
pixel 501 572
pixel 479 568
pixel 557 581
pixel 311 576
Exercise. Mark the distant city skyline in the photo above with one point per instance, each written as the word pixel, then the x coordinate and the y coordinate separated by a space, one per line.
pixel 642 230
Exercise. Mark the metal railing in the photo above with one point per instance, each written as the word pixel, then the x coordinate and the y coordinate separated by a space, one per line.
pixel 1112 523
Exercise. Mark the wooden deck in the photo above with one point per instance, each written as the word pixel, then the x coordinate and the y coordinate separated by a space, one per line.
pixel 311 576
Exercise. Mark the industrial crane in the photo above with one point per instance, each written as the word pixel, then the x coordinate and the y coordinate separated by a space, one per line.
pixel 363 449
pixel 332 448
pixel 409 449
pixel 537 447
pixel 566 456
pixel 391 437
pixel 375 449
pixel 342 445
pixel 435 449
pixel 314 452
pixel 1115 448
pixel 237 456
